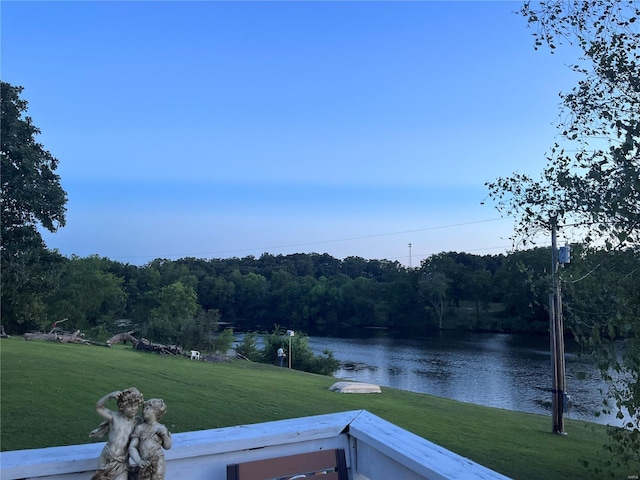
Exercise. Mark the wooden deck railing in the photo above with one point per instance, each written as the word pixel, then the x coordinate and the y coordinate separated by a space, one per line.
pixel 375 450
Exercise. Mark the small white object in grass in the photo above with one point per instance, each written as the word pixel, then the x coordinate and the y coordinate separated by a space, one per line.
pixel 355 387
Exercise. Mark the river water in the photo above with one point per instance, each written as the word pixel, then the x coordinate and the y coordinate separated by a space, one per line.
pixel 496 370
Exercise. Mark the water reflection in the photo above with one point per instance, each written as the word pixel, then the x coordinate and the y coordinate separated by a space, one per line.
pixel 497 370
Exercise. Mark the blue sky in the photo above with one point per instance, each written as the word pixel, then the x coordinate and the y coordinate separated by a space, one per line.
pixel 220 129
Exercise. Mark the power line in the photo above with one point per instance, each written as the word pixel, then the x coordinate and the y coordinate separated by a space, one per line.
pixel 322 242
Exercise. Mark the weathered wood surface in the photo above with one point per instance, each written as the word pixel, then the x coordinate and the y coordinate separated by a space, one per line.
pixel 123 338
pixel 147 346
pixel 75 337
pixel 331 464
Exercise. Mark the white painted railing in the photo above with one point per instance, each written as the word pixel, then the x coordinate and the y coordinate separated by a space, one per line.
pixel 376 450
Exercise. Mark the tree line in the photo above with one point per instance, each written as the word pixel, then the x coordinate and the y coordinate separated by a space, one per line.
pixel 186 301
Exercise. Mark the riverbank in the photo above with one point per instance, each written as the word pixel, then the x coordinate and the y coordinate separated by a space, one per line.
pixel 49 390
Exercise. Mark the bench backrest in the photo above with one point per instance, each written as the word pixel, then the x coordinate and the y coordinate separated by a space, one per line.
pixel 331 464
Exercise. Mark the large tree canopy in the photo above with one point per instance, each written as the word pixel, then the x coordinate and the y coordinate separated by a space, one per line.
pixel 592 180
pixel 31 196
pixel 592 177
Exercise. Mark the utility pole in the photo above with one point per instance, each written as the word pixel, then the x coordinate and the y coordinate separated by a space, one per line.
pixel 290 333
pixel 409 255
pixel 556 331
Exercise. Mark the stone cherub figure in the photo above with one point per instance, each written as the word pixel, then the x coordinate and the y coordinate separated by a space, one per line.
pixel 113 463
pixel 148 440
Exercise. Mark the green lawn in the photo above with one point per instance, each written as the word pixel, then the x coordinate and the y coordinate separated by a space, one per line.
pixel 48 392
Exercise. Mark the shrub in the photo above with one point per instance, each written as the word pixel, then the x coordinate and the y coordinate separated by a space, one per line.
pixel 223 341
pixel 302 357
pixel 249 347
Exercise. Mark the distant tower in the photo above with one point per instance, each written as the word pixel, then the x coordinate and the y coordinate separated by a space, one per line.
pixel 410 256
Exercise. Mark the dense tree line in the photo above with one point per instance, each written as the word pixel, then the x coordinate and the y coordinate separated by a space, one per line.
pixel 187 300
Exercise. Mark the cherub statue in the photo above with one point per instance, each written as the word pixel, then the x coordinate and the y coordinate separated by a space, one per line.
pixel 113 463
pixel 148 440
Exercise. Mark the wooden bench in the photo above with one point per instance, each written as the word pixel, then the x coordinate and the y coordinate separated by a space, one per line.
pixel 327 464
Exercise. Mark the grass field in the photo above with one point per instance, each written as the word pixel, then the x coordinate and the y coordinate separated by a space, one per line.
pixel 48 392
